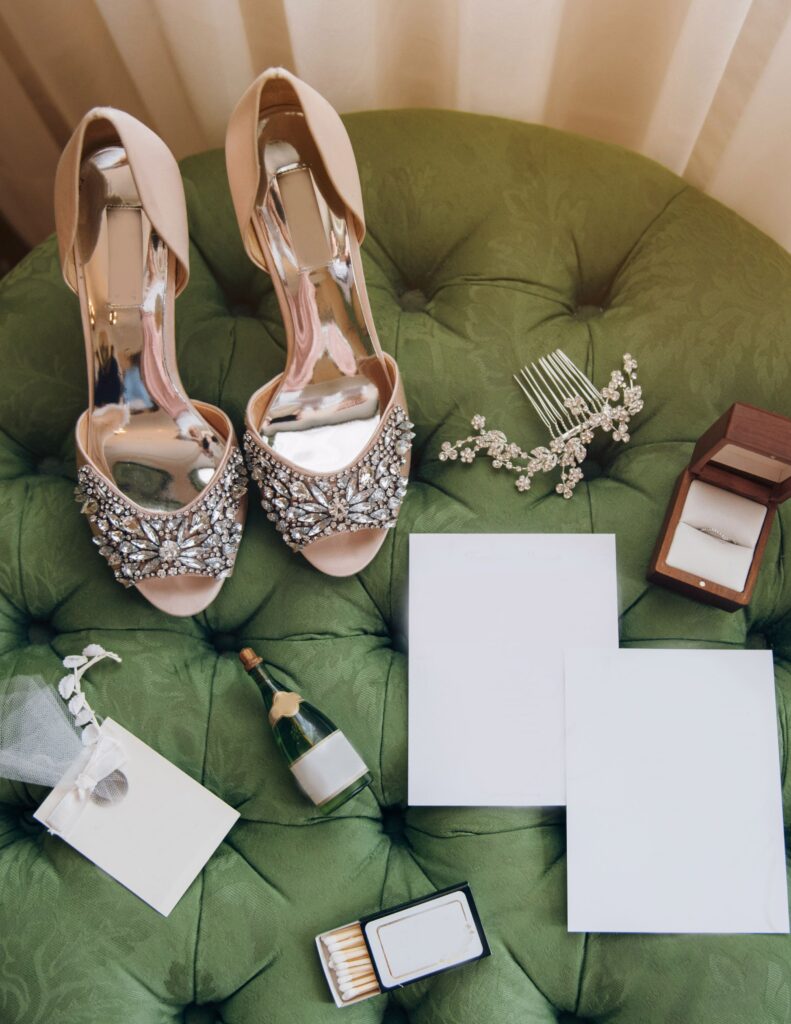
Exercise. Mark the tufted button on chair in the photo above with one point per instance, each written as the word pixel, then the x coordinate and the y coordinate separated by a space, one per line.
pixel 490 242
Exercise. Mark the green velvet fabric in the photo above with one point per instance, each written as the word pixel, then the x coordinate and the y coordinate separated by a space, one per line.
pixel 489 243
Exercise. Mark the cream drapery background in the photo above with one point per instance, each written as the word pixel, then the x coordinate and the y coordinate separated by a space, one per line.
pixel 704 86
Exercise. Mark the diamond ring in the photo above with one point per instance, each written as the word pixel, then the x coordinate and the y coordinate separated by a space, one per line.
pixel 711 532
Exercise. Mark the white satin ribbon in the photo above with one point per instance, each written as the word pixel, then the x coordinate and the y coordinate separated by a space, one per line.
pixel 106 756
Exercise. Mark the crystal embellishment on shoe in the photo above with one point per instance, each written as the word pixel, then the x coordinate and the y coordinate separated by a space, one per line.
pixel 366 495
pixel 201 540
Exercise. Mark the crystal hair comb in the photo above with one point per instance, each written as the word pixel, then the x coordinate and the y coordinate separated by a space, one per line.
pixel 570 407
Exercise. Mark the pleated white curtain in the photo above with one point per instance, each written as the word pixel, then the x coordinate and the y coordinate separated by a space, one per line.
pixel 704 86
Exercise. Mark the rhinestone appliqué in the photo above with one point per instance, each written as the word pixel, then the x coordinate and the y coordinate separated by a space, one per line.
pixel 137 545
pixel 304 506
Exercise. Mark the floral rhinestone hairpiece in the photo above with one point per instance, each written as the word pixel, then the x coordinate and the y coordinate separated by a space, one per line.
pixel 570 407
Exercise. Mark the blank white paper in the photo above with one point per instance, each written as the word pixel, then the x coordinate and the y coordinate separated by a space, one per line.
pixel 674 818
pixel 158 838
pixel 489 618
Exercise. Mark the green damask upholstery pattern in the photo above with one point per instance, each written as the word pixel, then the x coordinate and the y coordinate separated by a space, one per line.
pixel 490 242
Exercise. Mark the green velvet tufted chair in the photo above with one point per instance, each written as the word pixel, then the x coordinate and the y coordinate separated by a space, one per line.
pixel 489 242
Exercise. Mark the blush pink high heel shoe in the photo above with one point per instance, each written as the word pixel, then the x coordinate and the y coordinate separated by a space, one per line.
pixel 161 479
pixel 329 439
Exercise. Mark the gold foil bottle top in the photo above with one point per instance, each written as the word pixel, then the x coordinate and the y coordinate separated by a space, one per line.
pixel 249 658
pixel 284 705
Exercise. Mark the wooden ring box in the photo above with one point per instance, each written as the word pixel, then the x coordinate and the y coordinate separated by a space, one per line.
pixel 720 516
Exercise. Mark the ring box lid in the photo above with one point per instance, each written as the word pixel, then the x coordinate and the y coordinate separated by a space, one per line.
pixel 748 451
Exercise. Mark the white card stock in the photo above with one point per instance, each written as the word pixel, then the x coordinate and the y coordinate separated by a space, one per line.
pixel 157 837
pixel 489 618
pixel 674 818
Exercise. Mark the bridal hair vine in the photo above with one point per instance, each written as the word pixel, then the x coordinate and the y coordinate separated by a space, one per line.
pixel 570 407
pixel 70 689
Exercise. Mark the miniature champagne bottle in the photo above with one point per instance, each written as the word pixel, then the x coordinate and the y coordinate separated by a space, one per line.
pixel 325 765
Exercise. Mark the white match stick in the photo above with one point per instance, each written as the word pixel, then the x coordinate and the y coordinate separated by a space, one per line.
pixel 364 965
pixel 358 972
pixel 362 990
pixel 331 941
pixel 354 961
pixel 344 933
pixel 336 944
pixel 356 983
pixel 349 954
pixel 355 986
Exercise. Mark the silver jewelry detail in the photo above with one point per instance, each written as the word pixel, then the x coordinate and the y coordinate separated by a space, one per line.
pixel 137 545
pixel 571 409
pixel 306 506
pixel 710 531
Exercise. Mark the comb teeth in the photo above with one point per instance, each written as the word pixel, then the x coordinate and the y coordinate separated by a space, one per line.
pixel 553 382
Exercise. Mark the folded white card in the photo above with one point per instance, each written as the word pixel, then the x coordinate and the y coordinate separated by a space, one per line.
pixel 489 618
pixel 674 818
pixel 157 837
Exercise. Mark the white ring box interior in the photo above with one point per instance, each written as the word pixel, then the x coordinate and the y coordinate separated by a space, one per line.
pixel 723 559
pixel 406 943
pixel 721 513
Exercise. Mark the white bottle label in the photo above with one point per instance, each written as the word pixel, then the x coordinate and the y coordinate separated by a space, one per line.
pixel 328 768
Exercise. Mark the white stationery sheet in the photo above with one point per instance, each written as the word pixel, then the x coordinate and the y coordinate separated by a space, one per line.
pixel 489 618
pixel 674 819
pixel 155 840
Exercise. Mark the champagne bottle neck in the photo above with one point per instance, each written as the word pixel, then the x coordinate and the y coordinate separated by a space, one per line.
pixel 279 700
pixel 267 684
